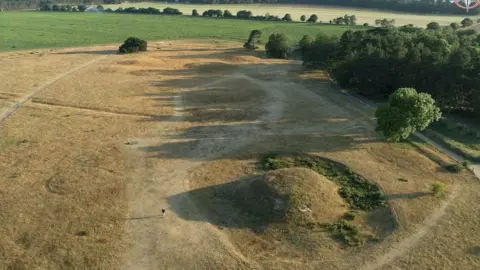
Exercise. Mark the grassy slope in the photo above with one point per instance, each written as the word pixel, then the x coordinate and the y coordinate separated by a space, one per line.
pixel 29 30
pixel 325 13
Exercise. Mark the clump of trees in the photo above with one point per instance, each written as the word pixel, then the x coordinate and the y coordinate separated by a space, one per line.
pixel 213 13
pixel 433 26
pixel 313 18
pixel 346 19
pixel 466 22
pixel 375 62
pixel 385 22
pixel 406 112
pixel 277 46
pixel 287 18
pixel 254 36
pixel 228 14
pixel 133 45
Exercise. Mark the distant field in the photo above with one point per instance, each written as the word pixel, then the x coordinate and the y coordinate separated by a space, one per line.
pixel 324 14
pixel 31 30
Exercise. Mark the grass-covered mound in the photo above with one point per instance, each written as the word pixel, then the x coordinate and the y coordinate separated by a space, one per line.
pixel 302 196
pixel 360 193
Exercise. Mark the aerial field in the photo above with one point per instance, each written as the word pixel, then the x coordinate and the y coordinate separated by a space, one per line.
pixel 324 13
pixel 32 30
pixel 104 141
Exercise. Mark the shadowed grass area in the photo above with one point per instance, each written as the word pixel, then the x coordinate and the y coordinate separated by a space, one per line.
pixel 31 30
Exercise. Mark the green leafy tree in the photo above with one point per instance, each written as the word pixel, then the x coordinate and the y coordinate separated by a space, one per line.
pixel 287 18
pixel 433 26
pixel 133 45
pixel 227 14
pixel 467 22
pixel 195 13
pixel 100 7
pixel 82 8
pixel 406 112
pixel 277 46
pixel 313 19
pixel 303 18
pixel 254 35
pixel 455 26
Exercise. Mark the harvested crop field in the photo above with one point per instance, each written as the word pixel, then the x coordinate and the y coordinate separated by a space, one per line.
pixel 104 141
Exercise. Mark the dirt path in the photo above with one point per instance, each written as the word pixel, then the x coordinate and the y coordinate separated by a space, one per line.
pixel 179 242
pixel 28 97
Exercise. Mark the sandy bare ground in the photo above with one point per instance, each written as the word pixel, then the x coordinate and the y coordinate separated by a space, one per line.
pixel 138 128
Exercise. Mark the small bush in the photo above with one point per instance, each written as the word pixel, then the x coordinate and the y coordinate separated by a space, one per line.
pixel 195 13
pixel 466 163
pixel 56 7
pixel 303 18
pixel 348 233
pixel 365 24
pixel 454 168
pixel 108 10
pixel 437 189
pixel 313 19
pixel 349 216
pixel 74 9
pixel 403 180
pixel 100 7
pixel 287 18
pixel 82 8
pixel 133 45
pixel 277 46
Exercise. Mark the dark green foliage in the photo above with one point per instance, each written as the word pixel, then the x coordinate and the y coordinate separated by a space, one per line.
pixel 365 24
pixel 82 8
pixel 313 18
pixel 347 20
pixel 454 168
pixel 74 9
pixel 385 22
pixel 347 233
pixel 318 53
pixel 195 13
pixel 303 18
pixel 433 26
pixel 100 7
pixel 406 112
pixel 133 45
pixel 108 10
pixel 171 11
pixel 56 7
pixel 254 35
pixel 287 18
pixel 277 46
pixel 213 13
pixel 357 191
pixel 455 26
pixel 305 44
pixel 228 14
pixel 244 14
pixel 467 22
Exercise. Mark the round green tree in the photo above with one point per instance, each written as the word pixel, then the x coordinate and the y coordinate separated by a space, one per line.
pixel 433 26
pixel 303 18
pixel 406 112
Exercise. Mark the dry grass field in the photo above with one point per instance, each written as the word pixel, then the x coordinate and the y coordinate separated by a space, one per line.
pixel 324 13
pixel 108 140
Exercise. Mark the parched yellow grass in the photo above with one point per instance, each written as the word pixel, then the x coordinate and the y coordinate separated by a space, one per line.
pixel 324 13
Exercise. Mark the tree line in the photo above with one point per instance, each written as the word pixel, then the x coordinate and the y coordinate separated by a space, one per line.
pixel 419 6
pixel 441 61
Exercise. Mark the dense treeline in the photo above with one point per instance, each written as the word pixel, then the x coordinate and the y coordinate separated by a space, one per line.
pixel 441 61
pixel 420 6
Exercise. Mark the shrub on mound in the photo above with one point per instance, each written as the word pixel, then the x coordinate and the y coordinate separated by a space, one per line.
pixel 133 45
pixel 277 46
pixel 296 196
